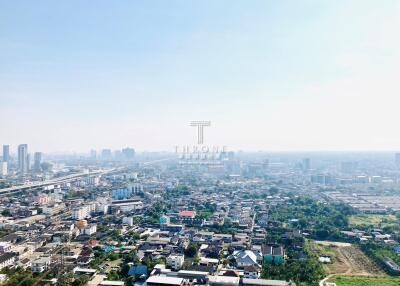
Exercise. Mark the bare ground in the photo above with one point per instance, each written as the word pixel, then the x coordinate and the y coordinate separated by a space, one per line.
pixel 348 260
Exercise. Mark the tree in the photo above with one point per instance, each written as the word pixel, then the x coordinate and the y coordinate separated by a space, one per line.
pixel 124 270
pixel 6 212
pixel 80 280
pixel 191 251
pixel 130 281
pixel 113 275
pixel 273 190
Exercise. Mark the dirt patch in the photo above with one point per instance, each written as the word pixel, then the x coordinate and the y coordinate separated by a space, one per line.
pixel 359 263
pixel 346 260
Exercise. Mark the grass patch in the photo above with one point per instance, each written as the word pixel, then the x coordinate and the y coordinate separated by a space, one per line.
pixel 374 220
pixel 367 281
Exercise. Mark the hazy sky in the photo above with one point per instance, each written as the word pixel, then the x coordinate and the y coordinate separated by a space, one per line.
pixel 270 75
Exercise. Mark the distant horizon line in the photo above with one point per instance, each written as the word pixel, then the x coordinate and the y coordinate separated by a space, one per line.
pixel 235 151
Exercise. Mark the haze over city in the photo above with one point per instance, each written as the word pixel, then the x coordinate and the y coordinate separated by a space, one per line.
pixel 269 75
pixel 199 143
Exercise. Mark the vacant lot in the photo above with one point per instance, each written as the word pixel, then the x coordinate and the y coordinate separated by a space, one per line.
pixel 366 281
pixel 346 260
pixel 377 221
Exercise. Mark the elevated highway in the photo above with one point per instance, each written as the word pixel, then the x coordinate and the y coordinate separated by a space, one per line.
pixel 55 181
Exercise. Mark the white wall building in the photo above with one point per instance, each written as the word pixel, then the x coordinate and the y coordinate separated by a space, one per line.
pixel 175 262
pixel 41 264
pixel 127 220
pixel 5 247
pixel 90 229
pixel 80 213
pixel 3 169
pixel 7 260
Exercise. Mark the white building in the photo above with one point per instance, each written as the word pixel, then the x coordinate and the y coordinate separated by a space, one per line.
pixel 79 213
pixel 23 161
pixel 102 208
pixel 90 229
pixel 3 169
pixel 246 258
pixel 5 247
pixel 158 280
pixel 136 188
pixel 175 262
pixel 53 210
pixel 3 278
pixel 7 260
pixel 92 181
pixel 128 205
pixel 127 220
pixel 41 264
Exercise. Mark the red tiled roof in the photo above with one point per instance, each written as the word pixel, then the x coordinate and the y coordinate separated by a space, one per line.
pixel 190 214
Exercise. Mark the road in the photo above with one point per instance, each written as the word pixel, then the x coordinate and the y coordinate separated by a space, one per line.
pixel 59 180
pixel 66 179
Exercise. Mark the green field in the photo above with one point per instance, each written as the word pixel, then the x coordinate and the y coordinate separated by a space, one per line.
pixel 374 220
pixel 365 281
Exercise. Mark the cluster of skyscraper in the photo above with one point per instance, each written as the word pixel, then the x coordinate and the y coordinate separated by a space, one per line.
pixel 24 160
pixel 126 154
pixel 397 159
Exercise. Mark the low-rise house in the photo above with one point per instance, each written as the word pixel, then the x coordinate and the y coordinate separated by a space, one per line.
pixel 84 271
pixel 203 268
pixel 209 261
pixel 25 263
pixel 273 254
pixel 5 247
pixel 266 282
pixel 223 281
pixel 41 264
pixel 165 281
pixel 227 238
pixel 251 272
pixel 211 251
pixel 84 260
pixel 7 260
pixel 205 235
pixel 3 278
pixel 139 271
pixel 246 258
pixel 111 283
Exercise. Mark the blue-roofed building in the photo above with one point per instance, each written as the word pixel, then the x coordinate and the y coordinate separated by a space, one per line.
pixel 138 271
pixel 109 248
pixel 121 194
pixel 165 220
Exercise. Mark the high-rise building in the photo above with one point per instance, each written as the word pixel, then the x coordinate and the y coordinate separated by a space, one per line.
pixel 37 161
pixel 118 156
pixel 23 158
pixel 397 159
pixel 306 164
pixel 128 153
pixel 28 161
pixel 348 167
pixel 93 154
pixel 106 154
pixel 265 164
pixel 3 168
pixel 6 153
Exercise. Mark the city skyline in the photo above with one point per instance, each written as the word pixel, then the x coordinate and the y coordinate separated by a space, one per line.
pixel 270 75
pixel 199 143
